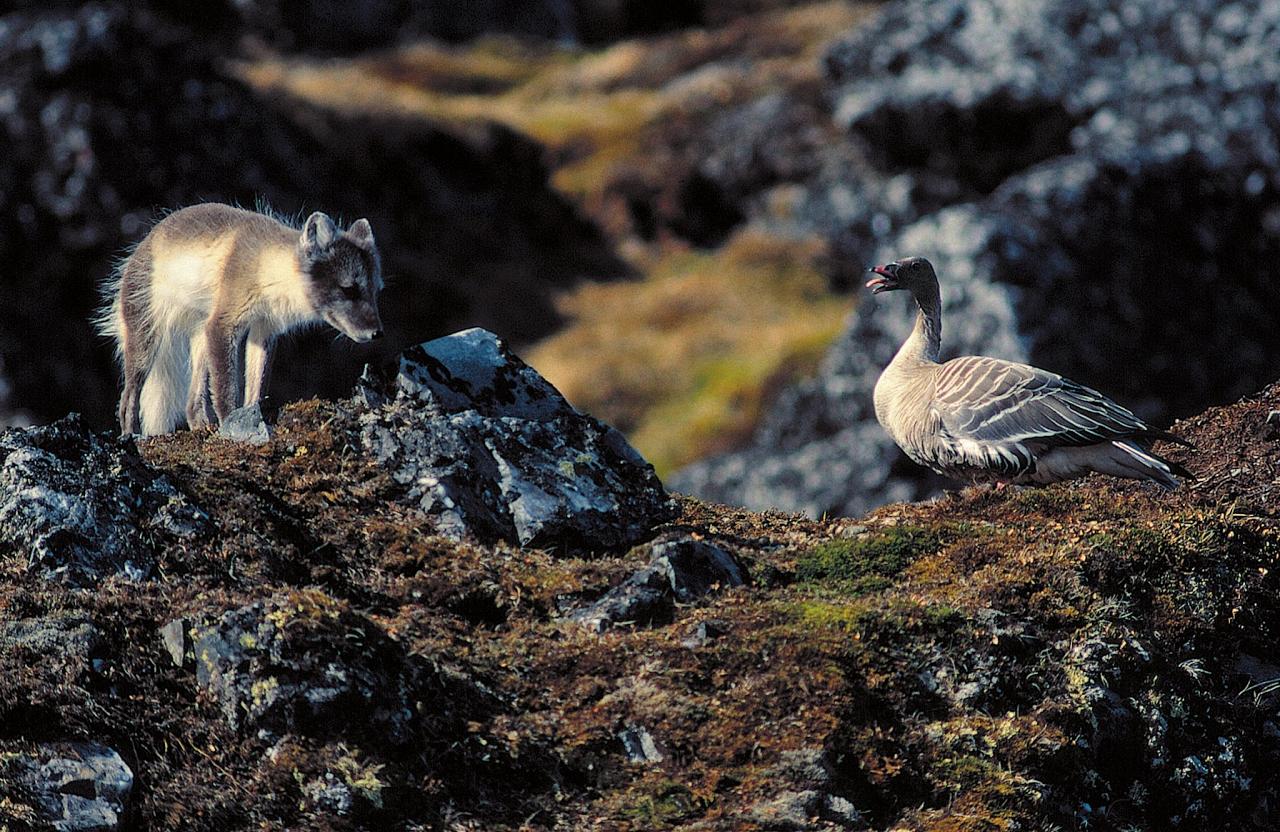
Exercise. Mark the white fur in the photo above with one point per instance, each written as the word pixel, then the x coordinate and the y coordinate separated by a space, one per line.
pixel 183 283
pixel 185 279
pixel 284 302
pixel 164 393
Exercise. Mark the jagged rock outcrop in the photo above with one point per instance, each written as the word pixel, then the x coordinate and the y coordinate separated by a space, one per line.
pixel 302 663
pixel 1139 188
pixel 83 506
pixel 490 450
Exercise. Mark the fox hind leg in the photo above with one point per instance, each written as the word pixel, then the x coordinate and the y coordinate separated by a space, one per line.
pixel 135 333
pixel 164 393
pixel 135 373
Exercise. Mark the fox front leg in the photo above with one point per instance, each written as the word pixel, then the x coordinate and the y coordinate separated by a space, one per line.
pixel 222 343
pixel 257 363
pixel 199 404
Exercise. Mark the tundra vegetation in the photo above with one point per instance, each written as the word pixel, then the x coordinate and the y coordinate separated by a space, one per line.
pixel 1096 651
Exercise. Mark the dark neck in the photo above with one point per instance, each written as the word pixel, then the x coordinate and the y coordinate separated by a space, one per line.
pixel 928 329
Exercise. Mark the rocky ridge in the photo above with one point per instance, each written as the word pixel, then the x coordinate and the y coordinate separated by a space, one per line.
pixel 321 656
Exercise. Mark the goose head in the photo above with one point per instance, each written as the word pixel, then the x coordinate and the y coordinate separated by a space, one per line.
pixel 915 274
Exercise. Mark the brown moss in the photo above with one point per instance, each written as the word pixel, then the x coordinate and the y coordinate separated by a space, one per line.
pixel 959 691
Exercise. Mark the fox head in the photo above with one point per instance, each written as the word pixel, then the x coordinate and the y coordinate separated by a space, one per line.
pixel 344 275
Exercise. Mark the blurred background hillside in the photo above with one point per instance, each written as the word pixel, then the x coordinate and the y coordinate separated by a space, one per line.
pixel 666 206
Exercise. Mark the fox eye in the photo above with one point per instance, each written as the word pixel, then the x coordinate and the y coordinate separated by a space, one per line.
pixel 351 292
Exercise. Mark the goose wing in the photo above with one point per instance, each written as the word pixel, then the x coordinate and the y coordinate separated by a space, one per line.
pixel 1002 404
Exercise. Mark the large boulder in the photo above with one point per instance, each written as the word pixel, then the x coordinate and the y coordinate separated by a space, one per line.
pixel 1090 180
pixel 81 506
pixel 489 449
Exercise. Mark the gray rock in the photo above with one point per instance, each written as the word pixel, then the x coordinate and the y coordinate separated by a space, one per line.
pixel 329 794
pixel 65 644
pixel 83 505
pixel 644 598
pixel 804 767
pixel 302 663
pixel 75 786
pixel 705 633
pixel 177 640
pixel 680 570
pixel 842 811
pixel 246 424
pixel 1271 428
pixel 694 568
pixel 639 745
pixel 1084 175
pixel 68 640
pixel 798 811
pixel 490 450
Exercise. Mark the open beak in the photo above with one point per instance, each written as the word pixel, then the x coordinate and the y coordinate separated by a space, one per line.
pixel 885 279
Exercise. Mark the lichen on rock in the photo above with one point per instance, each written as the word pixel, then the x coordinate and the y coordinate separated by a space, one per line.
pixel 490 450
pixel 81 505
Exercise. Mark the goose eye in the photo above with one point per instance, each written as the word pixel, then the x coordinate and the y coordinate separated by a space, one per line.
pixel 351 292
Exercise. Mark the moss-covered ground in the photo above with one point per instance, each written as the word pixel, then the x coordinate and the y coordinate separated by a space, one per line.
pixel 1098 655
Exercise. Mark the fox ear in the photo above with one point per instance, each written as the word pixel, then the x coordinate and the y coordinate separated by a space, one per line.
pixel 361 233
pixel 318 233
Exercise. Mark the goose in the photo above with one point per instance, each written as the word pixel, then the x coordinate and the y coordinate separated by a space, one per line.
pixel 985 420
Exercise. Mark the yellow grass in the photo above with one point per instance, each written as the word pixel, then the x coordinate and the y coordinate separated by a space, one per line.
pixel 589 108
pixel 684 360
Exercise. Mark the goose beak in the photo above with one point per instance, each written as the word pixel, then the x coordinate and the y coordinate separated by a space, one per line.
pixel 885 279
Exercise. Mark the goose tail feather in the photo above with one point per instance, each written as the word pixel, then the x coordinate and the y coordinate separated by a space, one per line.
pixel 1149 466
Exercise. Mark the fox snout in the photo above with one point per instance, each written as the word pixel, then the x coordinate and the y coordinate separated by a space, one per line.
pixel 361 330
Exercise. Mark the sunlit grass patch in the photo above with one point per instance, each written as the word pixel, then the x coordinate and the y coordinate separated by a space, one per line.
pixel 685 361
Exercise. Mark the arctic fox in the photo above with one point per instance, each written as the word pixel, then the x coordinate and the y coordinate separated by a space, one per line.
pixel 211 279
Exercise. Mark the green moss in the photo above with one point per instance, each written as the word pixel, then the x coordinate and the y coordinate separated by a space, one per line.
pixel 958 774
pixel 868 563
pixel 662 804
pixel 362 777
pixel 895 619
pixel 846 617
pixel 1052 502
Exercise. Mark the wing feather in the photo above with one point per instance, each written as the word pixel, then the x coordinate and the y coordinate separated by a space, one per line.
pixel 1002 403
